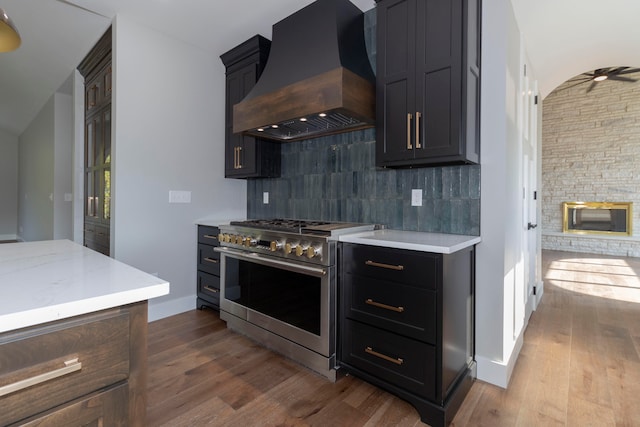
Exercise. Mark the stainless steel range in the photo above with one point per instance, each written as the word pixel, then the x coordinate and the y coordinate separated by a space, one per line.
pixel 278 285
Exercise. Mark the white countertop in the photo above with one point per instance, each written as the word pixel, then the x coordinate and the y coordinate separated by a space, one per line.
pixel 51 280
pixel 413 240
pixel 216 222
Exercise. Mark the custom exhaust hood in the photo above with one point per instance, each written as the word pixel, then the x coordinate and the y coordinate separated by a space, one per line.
pixel 317 80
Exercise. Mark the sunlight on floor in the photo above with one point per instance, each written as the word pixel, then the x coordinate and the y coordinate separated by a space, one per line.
pixel 601 277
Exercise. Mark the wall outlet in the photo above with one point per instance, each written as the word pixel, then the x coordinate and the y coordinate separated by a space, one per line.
pixel 265 198
pixel 179 196
pixel 416 197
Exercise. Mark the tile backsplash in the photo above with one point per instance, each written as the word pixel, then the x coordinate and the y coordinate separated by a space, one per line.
pixel 334 178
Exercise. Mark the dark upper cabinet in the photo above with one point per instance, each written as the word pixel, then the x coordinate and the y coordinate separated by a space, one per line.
pixel 247 156
pixel 428 82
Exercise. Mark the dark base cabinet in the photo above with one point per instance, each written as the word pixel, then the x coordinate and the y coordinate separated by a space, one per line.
pixel 407 325
pixel 208 291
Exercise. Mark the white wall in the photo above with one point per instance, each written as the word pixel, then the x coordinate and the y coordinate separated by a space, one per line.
pixel 63 163
pixel 36 168
pixel 168 134
pixel 45 150
pixel 8 185
pixel 500 280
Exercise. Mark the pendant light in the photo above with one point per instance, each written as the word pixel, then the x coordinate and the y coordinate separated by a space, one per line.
pixel 9 37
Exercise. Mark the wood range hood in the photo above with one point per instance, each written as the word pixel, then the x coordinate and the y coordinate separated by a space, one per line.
pixel 317 80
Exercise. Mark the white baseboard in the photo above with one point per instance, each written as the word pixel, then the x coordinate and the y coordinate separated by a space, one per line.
pixel 539 293
pixel 169 308
pixel 8 237
pixel 496 372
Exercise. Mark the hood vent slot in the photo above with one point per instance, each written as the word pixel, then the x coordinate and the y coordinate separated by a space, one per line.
pixel 318 79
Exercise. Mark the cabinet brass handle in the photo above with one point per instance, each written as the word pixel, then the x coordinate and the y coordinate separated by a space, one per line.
pixel 418 115
pixel 409 117
pixel 397 360
pixel 210 289
pixel 381 265
pixel 385 306
pixel 70 366
pixel 237 164
pixel 213 260
pixel 209 236
pixel 239 157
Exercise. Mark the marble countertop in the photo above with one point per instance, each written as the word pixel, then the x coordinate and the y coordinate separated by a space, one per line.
pixel 56 279
pixel 215 222
pixel 413 240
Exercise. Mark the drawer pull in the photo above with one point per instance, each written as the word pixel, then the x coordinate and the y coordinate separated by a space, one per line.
pixel 209 236
pixel 409 117
pixel 381 265
pixel 397 360
pixel 70 366
pixel 385 306
pixel 210 289
pixel 213 260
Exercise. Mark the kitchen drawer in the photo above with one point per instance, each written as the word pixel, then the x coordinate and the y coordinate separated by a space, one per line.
pixel 208 259
pixel 396 265
pixel 109 408
pixel 209 287
pixel 208 235
pixel 400 361
pixel 401 309
pixel 80 356
pixel 102 235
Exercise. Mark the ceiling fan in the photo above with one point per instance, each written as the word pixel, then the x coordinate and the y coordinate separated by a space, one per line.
pixel 602 74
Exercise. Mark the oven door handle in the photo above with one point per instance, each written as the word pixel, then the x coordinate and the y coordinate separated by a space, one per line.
pixel 268 261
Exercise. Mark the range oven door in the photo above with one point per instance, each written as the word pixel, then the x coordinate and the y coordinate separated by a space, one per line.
pixel 294 300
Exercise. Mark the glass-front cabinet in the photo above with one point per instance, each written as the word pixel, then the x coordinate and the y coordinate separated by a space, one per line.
pixel 97 71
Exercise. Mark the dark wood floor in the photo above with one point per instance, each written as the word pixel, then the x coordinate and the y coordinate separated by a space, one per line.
pixel 579 366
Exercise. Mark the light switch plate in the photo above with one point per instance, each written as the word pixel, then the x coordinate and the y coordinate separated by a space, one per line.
pixel 416 197
pixel 179 196
pixel 265 198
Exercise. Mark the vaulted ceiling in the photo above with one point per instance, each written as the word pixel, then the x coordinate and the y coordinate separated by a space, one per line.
pixel 563 38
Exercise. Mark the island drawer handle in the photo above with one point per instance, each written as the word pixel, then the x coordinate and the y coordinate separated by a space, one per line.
pixel 209 236
pixel 381 265
pixel 397 360
pixel 210 289
pixel 215 261
pixel 385 306
pixel 70 366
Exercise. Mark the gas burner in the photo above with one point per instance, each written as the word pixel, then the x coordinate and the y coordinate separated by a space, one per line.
pixel 302 226
pixel 280 224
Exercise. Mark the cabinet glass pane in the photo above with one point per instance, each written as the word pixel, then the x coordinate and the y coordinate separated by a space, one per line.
pixel 107 137
pixel 91 187
pixel 106 196
pixel 89 149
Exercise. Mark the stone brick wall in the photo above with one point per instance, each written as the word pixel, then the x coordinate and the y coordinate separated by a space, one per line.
pixel 591 153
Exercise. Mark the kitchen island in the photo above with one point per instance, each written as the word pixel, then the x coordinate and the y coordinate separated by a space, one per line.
pixel 73 335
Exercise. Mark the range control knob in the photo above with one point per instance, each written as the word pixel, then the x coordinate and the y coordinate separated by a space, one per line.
pixel 220 237
pixel 248 242
pixel 312 251
pixel 290 247
pixel 232 238
pixel 300 250
pixel 226 238
pixel 239 240
pixel 275 245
